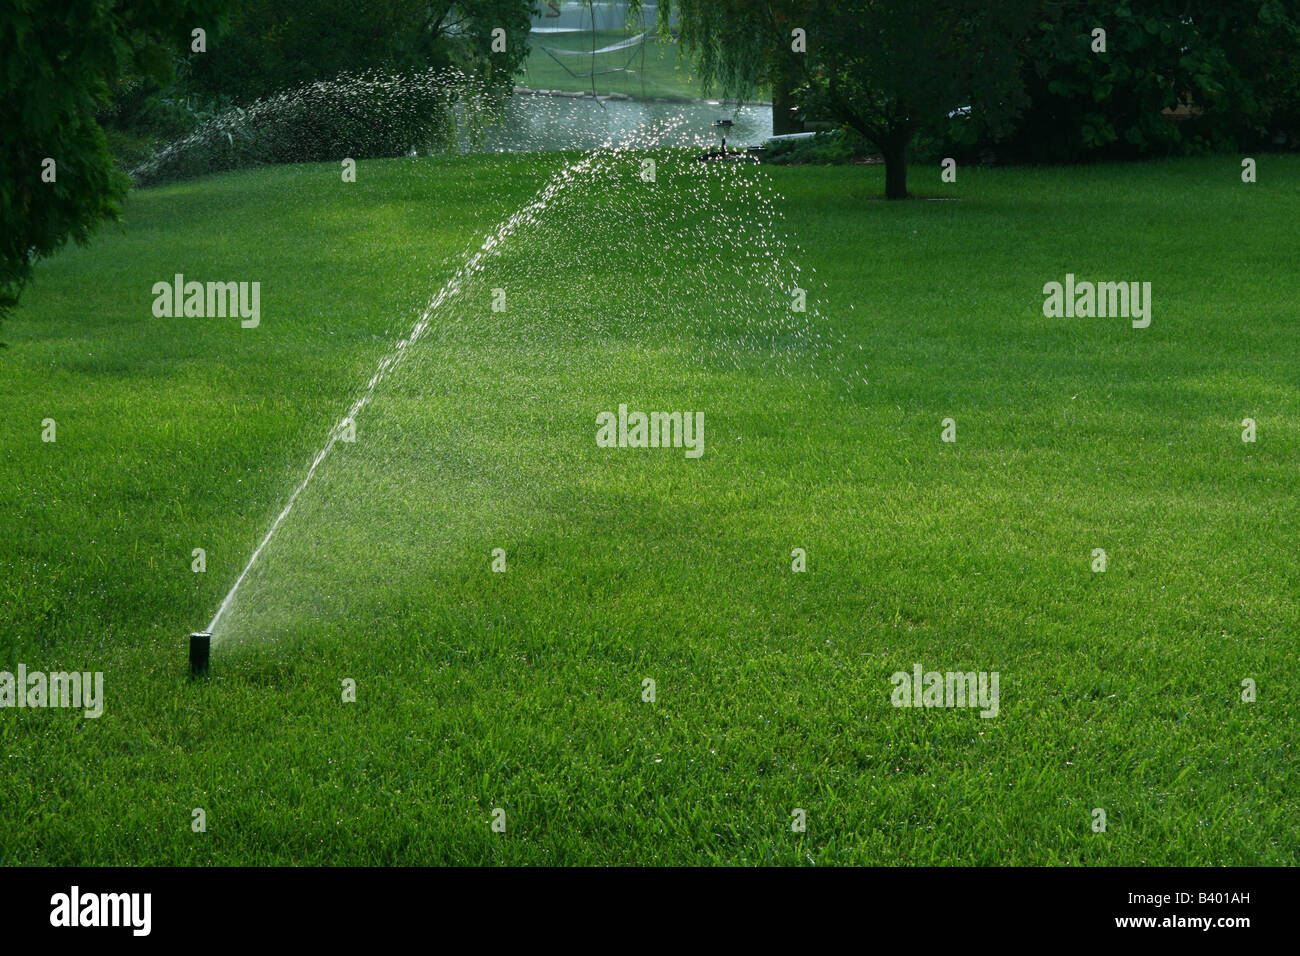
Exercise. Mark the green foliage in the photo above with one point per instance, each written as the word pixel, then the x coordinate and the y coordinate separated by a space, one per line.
pixel 144 115
pixel 359 117
pixel 331 79
pixel 1229 73
pixel 276 45
pixel 835 148
pixel 733 42
pixel 1176 76
pixel 886 69
pixel 60 59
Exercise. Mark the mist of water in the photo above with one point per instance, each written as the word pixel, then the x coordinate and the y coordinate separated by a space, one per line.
pixel 712 287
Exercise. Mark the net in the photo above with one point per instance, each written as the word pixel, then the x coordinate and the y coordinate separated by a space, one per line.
pixel 601 49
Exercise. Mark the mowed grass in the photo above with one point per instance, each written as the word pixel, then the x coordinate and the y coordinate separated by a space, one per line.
pixel 523 690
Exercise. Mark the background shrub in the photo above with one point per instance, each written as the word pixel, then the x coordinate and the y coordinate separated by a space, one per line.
pixel 361 117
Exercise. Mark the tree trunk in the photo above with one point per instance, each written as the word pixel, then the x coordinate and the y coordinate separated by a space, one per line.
pixel 784 118
pixel 894 149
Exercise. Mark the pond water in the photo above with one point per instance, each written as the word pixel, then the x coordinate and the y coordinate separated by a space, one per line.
pixel 533 122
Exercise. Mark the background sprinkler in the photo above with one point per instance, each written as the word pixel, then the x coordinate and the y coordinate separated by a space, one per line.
pixel 200 645
pixel 723 126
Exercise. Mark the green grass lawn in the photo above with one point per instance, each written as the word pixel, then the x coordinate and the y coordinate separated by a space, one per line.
pixel 523 690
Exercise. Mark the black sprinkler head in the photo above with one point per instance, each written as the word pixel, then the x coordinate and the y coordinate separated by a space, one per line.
pixel 200 645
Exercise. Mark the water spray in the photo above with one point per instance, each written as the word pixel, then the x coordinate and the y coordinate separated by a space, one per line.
pixel 574 173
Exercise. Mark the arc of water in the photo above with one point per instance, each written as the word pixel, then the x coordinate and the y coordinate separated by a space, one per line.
pixel 572 173
pixel 560 181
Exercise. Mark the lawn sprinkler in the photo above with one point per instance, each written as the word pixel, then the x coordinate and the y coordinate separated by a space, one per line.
pixel 723 126
pixel 200 645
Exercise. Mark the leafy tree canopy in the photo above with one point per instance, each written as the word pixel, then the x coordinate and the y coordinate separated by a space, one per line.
pixel 276 45
pixel 60 59
pixel 1229 71
pixel 886 68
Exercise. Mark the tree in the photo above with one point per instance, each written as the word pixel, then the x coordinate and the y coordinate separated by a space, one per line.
pixel 886 68
pixel 1228 72
pixel 277 45
pixel 58 60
